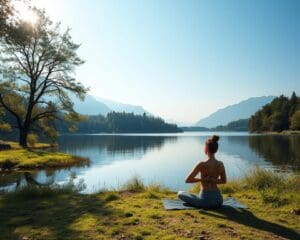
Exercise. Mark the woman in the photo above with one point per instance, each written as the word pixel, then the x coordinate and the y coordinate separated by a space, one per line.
pixel 212 173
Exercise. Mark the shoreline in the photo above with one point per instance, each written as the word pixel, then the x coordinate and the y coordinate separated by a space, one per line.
pixel 283 133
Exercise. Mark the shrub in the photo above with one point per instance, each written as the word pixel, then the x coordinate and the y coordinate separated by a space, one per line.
pixel 260 179
pixel 134 184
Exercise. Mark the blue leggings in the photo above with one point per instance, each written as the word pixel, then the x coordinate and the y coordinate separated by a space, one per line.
pixel 206 198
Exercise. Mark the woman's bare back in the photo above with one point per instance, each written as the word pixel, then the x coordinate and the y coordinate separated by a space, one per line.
pixel 212 173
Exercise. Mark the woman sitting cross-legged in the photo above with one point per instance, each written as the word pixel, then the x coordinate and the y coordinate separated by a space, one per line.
pixel 212 173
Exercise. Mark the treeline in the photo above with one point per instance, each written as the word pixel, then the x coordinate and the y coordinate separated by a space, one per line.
pixel 238 126
pixel 282 113
pixel 121 122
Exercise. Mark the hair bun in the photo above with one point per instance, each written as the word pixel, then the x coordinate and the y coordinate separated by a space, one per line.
pixel 215 138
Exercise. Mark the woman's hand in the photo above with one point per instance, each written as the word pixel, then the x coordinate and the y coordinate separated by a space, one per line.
pixel 209 179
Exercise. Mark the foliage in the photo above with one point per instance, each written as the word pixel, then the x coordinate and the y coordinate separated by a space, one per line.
pixel 32 139
pixel 135 184
pixel 6 11
pixel 37 65
pixel 295 120
pixel 260 179
pixel 278 115
pixel 239 125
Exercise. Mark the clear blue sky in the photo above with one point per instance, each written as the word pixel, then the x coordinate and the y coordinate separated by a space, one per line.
pixel 184 59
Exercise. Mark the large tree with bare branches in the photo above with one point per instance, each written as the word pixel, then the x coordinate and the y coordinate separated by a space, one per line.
pixel 37 65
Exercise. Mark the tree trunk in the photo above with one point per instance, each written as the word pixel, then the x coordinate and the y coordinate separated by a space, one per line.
pixel 23 137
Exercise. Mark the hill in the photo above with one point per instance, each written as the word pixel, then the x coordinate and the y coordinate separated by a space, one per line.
pixel 241 110
pixel 93 105
pixel 122 107
pixel 90 106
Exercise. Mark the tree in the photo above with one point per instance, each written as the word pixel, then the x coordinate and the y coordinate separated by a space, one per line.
pixel 295 121
pixel 6 11
pixel 37 66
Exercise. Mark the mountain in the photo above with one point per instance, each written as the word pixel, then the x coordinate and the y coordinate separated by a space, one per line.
pixel 122 107
pixel 93 105
pixel 90 106
pixel 241 110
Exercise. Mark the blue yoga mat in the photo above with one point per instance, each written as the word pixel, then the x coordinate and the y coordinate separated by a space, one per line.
pixel 177 204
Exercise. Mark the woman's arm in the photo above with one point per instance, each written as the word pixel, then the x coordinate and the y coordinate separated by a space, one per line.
pixel 191 177
pixel 222 179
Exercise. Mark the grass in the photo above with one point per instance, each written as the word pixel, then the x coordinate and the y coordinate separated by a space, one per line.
pixel 19 158
pixel 135 212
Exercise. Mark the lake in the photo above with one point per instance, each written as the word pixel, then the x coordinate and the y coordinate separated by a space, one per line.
pixel 164 158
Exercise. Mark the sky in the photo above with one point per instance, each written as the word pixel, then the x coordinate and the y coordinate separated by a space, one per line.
pixel 183 60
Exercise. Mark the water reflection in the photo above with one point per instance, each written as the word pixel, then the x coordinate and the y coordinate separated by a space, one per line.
pixel 16 180
pixel 282 151
pixel 113 143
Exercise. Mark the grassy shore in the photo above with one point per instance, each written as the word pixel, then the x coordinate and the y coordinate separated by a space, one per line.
pixel 136 212
pixel 37 157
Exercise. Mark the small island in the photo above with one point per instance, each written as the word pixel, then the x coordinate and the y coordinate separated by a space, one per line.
pixel 14 157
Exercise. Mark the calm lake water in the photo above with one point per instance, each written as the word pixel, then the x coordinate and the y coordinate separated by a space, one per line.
pixel 163 158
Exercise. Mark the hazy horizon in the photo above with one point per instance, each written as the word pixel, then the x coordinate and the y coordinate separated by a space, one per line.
pixel 183 60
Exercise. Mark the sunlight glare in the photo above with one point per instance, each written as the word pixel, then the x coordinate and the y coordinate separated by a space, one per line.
pixel 25 14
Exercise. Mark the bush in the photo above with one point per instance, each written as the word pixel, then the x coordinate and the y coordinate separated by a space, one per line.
pixel 134 184
pixel 32 139
pixel 260 179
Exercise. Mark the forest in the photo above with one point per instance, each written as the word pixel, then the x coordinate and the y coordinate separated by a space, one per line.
pixel 120 122
pixel 113 122
pixel 281 114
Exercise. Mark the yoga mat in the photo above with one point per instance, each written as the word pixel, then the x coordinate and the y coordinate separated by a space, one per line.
pixel 177 204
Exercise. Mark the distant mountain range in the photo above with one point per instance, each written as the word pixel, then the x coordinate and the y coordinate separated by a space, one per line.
pixel 96 105
pixel 241 110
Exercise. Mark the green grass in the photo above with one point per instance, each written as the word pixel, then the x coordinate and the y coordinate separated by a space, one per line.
pixel 61 212
pixel 37 157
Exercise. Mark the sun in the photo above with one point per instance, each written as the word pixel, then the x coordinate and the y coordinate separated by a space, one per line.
pixel 24 13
